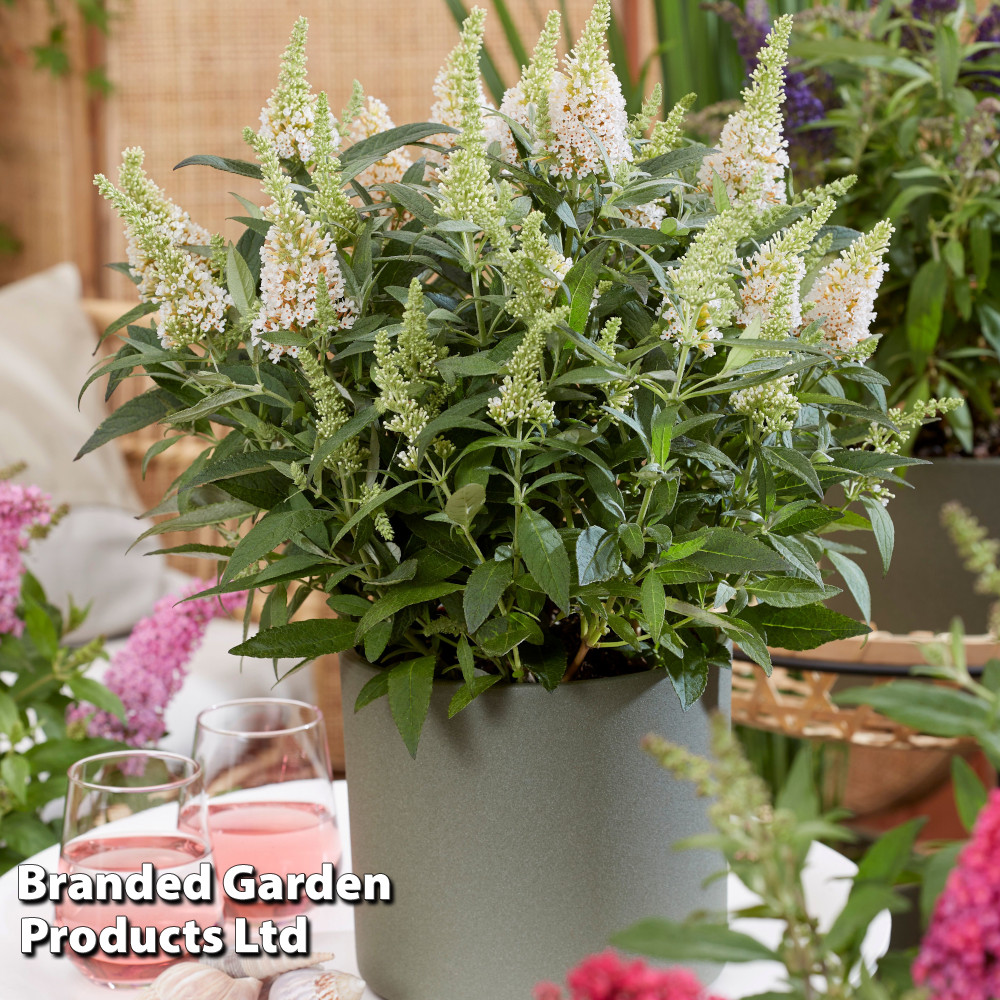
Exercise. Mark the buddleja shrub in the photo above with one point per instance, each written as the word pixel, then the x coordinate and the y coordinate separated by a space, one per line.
pixel 527 393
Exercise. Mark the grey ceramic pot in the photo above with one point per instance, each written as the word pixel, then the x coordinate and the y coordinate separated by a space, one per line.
pixel 927 586
pixel 528 830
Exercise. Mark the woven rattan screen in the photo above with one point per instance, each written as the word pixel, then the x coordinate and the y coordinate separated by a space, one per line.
pixel 189 75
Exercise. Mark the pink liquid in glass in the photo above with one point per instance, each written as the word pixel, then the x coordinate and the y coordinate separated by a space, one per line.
pixel 178 853
pixel 277 838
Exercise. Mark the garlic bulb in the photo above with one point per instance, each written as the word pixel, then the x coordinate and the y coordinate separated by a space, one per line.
pixel 314 984
pixel 264 966
pixel 194 981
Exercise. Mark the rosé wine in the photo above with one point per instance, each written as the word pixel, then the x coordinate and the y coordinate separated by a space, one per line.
pixel 179 853
pixel 279 838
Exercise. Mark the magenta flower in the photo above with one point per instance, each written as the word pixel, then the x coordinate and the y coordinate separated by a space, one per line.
pixel 21 509
pixel 149 669
pixel 608 977
pixel 960 955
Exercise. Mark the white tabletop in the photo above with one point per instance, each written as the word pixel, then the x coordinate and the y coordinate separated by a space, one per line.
pixel 827 883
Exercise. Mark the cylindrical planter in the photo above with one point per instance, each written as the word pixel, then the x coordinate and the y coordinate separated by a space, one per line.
pixel 528 830
pixel 927 585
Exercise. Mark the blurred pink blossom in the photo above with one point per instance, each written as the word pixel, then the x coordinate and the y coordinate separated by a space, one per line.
pixel 21 509
pixel 149 669
pixel 608 977
pixel 960 955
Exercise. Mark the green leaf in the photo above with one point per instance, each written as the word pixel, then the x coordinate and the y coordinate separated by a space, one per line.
pixel 796 464
pixel 362 155
pixel 750 640
pixel 15 771
pixel 980 243
pixel 857 582
pixel 374 688
pixel 728 551
pixel 303 640
pixel 989 322
pixel 240 282
pixel 376 640
pixel 325 447
pixel 241 464
pixel 483 590
pixel 631 535
pixel 201 517
pixel 135 313
pixel 970 793
pixel 660 434
pixel 211 404
pixel 547 661
pixel 597 555
pixel 27 834
pixel 654 604
pixel 240 167
pixel 930 708
pixel 10 718
pixel 272 530
pixel 500 635
pixel 464 504
pixel 410 687
pixel 403 597
pixel 925 306
pixel 789 592
pixel 935 876
pixel 132 415
pixel 581 281
pixel 689 678
pixel 676 160
pixel 889 856
pixel 542 550
pixel 41 629
pixel 366 509
pixel 865 903
pixel 798 794
pixel 798 556
pixel 802 627
pixel 694 942
pixel 885 533
pixel 86 689
pixel 466 661
pixel 470 690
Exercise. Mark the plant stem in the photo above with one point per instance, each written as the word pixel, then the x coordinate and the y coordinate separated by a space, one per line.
pixel 474 272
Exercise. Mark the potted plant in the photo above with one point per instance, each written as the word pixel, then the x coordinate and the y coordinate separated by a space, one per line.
pixel 904 95
pixel 536 399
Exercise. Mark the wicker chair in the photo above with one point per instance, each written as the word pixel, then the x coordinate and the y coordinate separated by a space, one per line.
pixel 160 473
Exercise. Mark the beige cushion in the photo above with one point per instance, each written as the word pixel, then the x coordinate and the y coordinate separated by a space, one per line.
pixel 47 341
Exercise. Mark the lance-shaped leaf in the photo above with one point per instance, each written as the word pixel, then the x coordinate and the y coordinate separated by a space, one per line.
pixel 410 687
pixel 483 590
pixel 542 550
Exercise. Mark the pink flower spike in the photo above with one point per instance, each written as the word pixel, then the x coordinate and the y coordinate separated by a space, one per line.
pixel 960 955
pixel 150 668
pixel 21 509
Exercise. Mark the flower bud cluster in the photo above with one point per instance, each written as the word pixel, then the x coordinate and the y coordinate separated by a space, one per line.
pixel 752 138
pixel 522 392
pixel 772 406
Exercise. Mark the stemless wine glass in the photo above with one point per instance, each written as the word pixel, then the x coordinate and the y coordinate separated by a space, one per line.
pixel 122 809
pixel 270 794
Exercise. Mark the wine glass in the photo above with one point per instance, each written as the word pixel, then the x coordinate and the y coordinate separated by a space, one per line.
pixel 270 793
pixel 122 809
